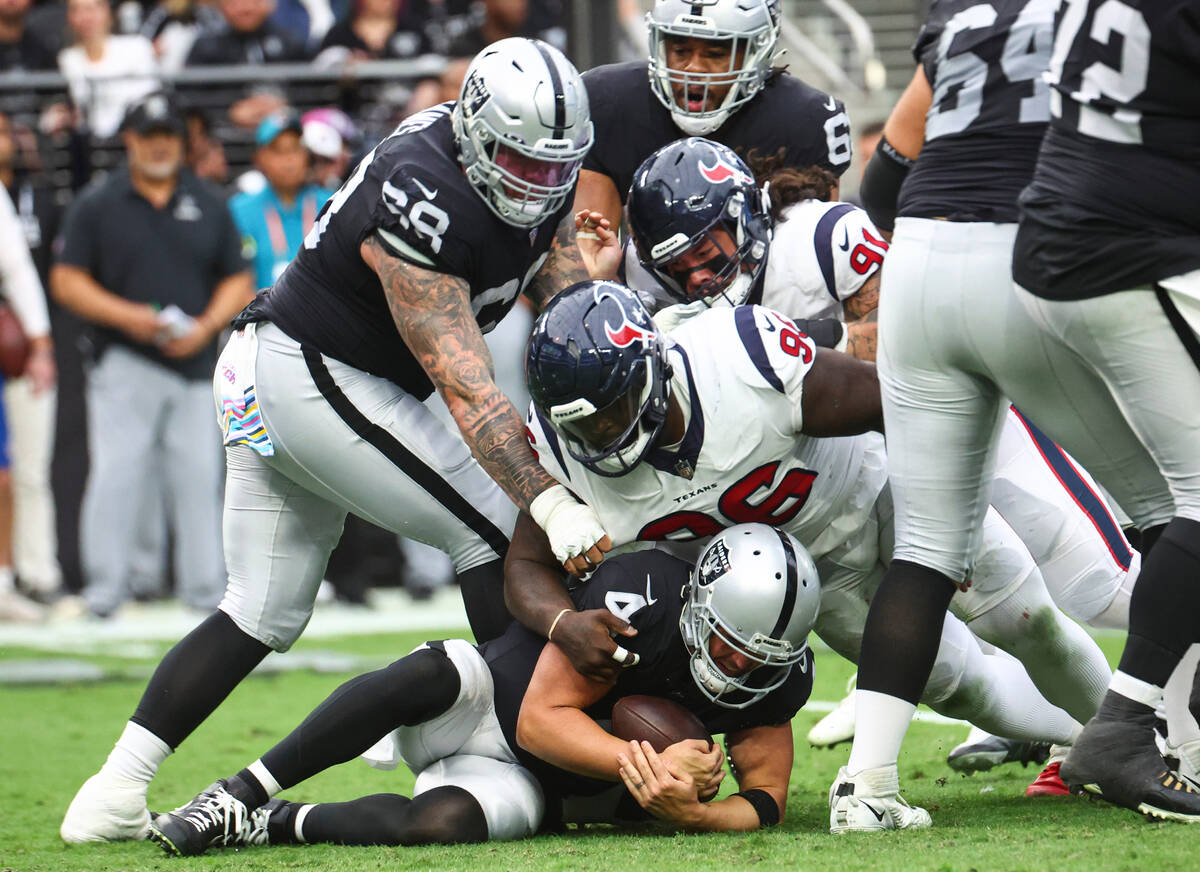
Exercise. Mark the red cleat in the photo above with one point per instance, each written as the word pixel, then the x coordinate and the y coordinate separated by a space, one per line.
pixel 1048 783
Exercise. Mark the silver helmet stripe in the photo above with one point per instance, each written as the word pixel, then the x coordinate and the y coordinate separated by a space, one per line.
pixel 789 594
pixel 560 97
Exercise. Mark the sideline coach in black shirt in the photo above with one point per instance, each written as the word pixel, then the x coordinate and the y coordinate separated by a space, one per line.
pixel 151 258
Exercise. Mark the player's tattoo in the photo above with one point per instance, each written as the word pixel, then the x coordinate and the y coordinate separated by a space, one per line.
pixel 433 314
pixel 563 267
pixel 863 341
pixel 865 301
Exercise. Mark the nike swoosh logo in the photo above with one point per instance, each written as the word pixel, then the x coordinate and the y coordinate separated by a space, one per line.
pixel 844 245
pixel 871 809
pixel 769 326
pixel 649 599
pixel 424 190
pixel 831 105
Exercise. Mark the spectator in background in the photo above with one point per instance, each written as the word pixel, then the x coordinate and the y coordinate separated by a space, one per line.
pixel 371 31
pixel 173 25
pixel 306 20
pixel 21 49
pixel 205 151
pixel 29 402
pixel 105 73
pixel 246 36
pixel 331 139
pixel 19 281
pixel 151 257
pixel 274 221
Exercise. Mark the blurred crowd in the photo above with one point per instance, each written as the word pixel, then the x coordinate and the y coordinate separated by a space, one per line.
pixel 179 198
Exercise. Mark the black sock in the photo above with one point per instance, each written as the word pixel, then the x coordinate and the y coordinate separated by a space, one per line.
pixel 358 714
pixel 195 677
pixel 903 630
pixel 483 595
pixel 1164 605
pixel 245 787
pixel 444 815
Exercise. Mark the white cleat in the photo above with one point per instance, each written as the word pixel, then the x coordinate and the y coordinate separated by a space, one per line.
pixel 837 726
pixel 871 801
pixel 107 809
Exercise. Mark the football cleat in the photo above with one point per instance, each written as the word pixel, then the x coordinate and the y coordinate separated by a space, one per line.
pixel 106 809
pixel 215 817
pixel 1048 783
pixel 871 801
pixel 1115 758
pixel 837 726
pixel 982 751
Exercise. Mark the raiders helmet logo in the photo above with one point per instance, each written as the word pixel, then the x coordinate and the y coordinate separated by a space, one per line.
pixel 714 564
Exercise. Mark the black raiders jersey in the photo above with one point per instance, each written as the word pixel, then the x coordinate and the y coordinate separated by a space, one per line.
pixel 411 193
pixel 786 117
pixel 985 64
pixel 1113 201
pixel 646 589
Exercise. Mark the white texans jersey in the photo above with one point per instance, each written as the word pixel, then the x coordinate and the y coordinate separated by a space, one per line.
pixel 821 254
pixel 739 373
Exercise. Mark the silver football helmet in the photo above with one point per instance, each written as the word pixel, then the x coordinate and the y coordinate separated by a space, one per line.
pixel 756 588
pixel 523 128
pixel 752 29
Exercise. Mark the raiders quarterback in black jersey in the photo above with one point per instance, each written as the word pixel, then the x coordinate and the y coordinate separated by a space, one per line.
pixel 709 74
pixel 501 734
pixel 424 249
pixel 957 343
pixel 1107 263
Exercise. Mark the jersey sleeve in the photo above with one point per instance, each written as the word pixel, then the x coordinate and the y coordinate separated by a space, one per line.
pixel 644 589
pixel 775 354
pixel 417 225
pixel 855 248
pixel 813 127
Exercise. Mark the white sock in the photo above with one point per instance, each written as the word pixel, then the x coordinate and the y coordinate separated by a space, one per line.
pixel 1135 689
pixel 264 777
pixel 298 827
pixel 880 722
pixel 8 582
pixel 1182 728
pixel 137 755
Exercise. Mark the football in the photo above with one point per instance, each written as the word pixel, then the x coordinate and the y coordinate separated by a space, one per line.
pixel 661 722
pixel 14 345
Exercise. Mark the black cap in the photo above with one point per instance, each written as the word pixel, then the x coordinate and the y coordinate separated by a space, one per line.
pixel 156 111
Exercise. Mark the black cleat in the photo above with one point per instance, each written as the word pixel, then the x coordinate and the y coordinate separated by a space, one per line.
pixel 215 817
pixel 1115 758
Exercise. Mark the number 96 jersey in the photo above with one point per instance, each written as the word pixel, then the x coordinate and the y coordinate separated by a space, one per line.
pixel 739 374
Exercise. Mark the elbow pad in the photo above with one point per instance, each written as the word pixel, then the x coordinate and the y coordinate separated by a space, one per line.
pixel 881 183
pixel 825 332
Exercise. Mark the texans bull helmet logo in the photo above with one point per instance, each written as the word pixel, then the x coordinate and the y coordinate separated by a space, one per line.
pixel 627 332
pixel 721 172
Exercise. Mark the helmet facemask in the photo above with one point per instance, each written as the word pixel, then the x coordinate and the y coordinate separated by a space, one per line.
pixel 522 130
pixel 638 415
pixel 751 35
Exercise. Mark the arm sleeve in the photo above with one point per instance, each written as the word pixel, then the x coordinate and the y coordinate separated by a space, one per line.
pixel 19 275
pixel 880 189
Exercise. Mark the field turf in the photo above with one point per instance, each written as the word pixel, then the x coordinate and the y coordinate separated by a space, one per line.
pixel 53 736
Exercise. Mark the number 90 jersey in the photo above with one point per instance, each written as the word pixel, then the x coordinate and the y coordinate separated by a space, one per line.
pixel 985 63
pixel 410 194
pixel 739 373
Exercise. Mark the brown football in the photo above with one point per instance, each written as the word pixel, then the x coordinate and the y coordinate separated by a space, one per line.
pixel 661 722
pixel 14 344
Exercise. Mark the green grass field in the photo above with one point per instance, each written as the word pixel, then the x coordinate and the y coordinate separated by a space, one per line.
pixel 54 736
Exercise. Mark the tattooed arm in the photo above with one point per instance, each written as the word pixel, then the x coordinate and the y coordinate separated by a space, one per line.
pixel 863 302
pixel 563 267
pixel 433 315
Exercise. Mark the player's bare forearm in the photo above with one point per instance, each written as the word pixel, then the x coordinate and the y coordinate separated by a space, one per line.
pixel 841 396
pixel 564 266
pixel 533 579
pixel 863 339
pixel 433 314
pixel 864 302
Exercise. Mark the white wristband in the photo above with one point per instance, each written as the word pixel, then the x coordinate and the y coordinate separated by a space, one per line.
pixel 571 526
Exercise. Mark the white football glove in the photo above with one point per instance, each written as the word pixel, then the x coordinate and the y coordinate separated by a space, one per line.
pixel 571 526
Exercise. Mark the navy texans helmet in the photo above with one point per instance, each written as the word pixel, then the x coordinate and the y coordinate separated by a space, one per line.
pixel 697 197
pixel 598 373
